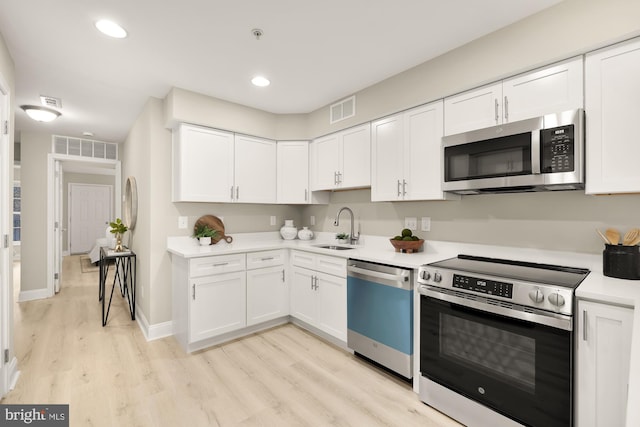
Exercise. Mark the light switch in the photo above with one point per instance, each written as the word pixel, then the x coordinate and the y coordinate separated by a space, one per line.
pixel 426 223
pixel 272 220
pixel 312 220
pixel 183 222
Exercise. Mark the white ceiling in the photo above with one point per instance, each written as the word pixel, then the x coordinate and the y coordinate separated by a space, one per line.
pixel 315 52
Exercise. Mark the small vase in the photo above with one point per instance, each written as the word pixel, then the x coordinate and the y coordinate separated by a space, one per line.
pixel 204 241
pixel 288 230
pixel 305 234
pixel 118 247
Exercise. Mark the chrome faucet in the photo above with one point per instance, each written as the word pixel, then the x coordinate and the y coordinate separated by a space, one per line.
pixel 353 238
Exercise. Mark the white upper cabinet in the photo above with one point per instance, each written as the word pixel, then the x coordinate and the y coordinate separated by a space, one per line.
pixel 612 91
pixel 255 170
pixel 216 166
pixel 202 164
pixel 342 160
pixel 552 89
pixel 405 155
pixel 293 172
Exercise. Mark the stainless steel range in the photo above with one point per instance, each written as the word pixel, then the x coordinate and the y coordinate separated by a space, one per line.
pixel 496 340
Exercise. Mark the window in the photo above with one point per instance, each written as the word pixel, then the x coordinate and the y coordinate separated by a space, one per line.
pixel 17 207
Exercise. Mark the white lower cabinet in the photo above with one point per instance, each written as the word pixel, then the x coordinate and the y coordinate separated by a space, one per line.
pixel 603 344
pixel 267 290
pixel 317 298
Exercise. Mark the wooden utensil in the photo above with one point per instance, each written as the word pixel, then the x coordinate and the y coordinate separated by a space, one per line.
pixel 214 223
pixel 630 236
pixel 604 238
pixel 613 235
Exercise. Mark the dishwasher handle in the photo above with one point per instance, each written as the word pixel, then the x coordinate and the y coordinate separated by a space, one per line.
pixel 396 280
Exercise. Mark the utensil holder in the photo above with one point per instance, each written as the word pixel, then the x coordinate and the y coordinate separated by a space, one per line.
pixel 622 262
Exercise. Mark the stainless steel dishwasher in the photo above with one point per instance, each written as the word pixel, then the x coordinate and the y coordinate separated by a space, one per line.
pixel 380 314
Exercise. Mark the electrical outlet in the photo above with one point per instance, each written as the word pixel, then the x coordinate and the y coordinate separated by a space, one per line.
pixel 426 223
pixel 411 223
pixel 312 220
pixel 272 220
pixel 183 222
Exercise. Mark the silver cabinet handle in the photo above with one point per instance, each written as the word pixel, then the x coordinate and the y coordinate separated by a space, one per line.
pixel 283 276
pixel 311 282
pixel 238 192
pixel 306 195
pixel 506 108
pixel 584 325
pixel 398 188
pixel 269 258
pixel 316 287
pixel 335 178
pixel 404 188
pixel 231 192
pixel 339 177
pixel 193 293
pixel 220 264
pixel 496 105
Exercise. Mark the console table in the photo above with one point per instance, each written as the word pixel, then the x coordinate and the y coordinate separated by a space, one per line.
pixel 124 264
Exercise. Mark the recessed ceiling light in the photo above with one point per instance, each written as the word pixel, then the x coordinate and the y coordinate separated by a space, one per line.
pixel 40 114
pixel 260 81
pixel 111 29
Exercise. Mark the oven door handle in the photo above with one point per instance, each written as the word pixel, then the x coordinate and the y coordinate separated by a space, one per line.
pixel 554 320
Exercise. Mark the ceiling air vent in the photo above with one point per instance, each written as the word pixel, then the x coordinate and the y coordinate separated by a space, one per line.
pixel 50 101
pixel 342 110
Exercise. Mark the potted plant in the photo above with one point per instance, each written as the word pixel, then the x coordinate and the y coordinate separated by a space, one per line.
pixel 118 228
pixel 204 234
pixel 342 237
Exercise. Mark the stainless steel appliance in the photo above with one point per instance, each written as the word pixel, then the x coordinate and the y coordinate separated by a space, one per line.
pixel 380 314
pixel 496 339
pixel 544 153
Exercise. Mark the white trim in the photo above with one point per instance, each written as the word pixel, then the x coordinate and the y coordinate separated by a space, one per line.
pixel 13 373
pixel 34 294
pixel 153 332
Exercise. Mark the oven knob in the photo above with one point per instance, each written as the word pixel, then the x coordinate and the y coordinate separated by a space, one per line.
pixel 536 295
pixel 425 275
pixel 556 299
pixel 437 277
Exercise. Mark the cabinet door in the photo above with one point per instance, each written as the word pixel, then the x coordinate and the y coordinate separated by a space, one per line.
pixel 267 295
pixel 255 170
pixel 304 303
pixel 387 159
pixel 202 164
pixel 218 305
pixel 355 157
pixel 325 162
pixel 548 90
pixel 611 97
pixel 422 153
pixel 293 172
pixel 332 312
pixel 475 109
pixel 604 350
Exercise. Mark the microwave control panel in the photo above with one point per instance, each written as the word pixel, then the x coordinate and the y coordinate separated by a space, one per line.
pixel 489 287
pixel 557 149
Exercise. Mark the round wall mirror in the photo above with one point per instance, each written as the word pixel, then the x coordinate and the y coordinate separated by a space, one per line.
pixel 130 203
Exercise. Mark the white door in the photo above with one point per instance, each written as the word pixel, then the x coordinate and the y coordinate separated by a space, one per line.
pixel 293 172
pixel 6 325
pixel 332 313
pixel 90 210
pixel 304 300
pixel 325 162
pixel 475 109
pixel 255 170
pixel 386 159
pixel 57 228
pixel 355 157
pixel 267 294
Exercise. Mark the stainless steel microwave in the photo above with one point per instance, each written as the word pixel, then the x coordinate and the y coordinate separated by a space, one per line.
pixel 539 154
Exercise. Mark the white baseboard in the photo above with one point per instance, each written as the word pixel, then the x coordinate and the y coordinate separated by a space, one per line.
pixel 153 332
pixel 14 374
pixel 33 295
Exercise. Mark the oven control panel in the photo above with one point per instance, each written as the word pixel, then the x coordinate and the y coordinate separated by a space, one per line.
pixel 490 287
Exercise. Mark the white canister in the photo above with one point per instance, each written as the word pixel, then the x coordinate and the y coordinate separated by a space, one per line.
pixel 288 230
pixel 305 234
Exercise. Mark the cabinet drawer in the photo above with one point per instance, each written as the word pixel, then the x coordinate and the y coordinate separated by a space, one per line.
pixel 216 264
pixel 265 259
pixel 303 259
pixel 331 265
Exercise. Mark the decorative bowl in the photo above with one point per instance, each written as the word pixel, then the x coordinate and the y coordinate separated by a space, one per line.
pixel 407 246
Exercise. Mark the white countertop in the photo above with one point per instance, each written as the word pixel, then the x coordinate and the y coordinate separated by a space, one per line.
pixel 595 287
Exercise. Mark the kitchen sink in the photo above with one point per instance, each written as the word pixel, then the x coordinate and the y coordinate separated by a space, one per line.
pixel 333 247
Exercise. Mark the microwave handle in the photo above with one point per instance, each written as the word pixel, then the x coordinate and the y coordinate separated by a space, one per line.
pixel 535 152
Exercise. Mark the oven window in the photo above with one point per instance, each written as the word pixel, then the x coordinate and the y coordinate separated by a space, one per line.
pixel 505 156
pixel 497 352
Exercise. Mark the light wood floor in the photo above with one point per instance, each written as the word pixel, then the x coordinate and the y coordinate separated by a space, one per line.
pixel 112 377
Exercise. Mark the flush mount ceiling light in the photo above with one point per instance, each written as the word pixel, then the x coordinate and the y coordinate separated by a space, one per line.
pixel 260 81
pixel 111 29
pixel 40 114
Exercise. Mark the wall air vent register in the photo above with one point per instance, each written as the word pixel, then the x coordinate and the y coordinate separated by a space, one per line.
pixel 342 110
pixel 84 148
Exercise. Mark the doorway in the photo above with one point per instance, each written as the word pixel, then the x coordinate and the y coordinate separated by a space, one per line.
pixel 89 213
